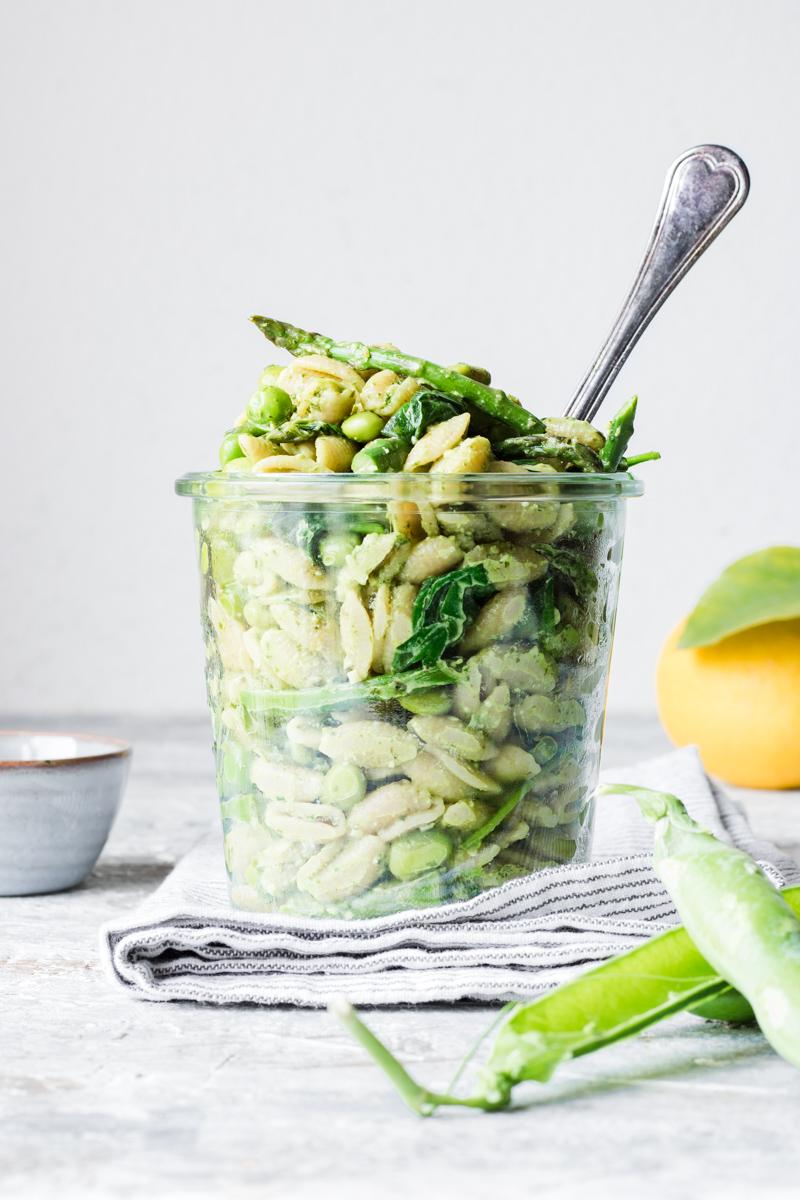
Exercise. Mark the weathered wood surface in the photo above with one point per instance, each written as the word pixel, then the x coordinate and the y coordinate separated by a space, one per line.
pixel 103 1096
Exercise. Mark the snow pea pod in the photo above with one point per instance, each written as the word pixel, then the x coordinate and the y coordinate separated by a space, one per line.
pixel 734 915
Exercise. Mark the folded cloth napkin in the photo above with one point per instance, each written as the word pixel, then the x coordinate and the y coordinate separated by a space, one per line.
pixel 186 942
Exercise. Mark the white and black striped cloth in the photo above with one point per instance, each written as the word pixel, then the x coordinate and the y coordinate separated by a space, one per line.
pixel 187 943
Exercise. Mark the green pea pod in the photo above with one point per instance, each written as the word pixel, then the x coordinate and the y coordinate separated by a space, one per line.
pixel 737 919
pixel 621 997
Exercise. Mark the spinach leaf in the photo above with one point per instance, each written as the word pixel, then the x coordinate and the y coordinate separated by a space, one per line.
pixel 572 567
pixel 301 431
pixel 441 610
pixel 305 529
pixel 426 407
pixel 538 447
pixel 544 607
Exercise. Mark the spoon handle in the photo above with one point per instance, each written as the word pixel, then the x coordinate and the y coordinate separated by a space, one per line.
pixel 704 189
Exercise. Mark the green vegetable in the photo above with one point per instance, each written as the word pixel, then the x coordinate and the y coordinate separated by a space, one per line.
pixel 396 896
pixel 649 456
pixel 246 807
pixel 362 426
pixel 336 695
pixel 418 851
pixel 665 975
pixel 362 357
pixel 542 448
pixel 269 405
pixel 619 435
pixel 726 1005
pixel 545 750
pixel 506 808
pixel 334 548
pixel 344 785
pixel 439 617
pixel 759 588
pixel 571 565
pixel 300 431
pixel 423 409
pixel 734 915
pixel 479 373
pixel 233 769
pixel 544 609
pixel 230 448
pixel 434 703
pixel 385 454
pixel 305 529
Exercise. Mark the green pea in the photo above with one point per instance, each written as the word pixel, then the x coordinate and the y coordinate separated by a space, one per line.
pixel 270 375
pixel 418 851
pixel 433 703
pixel 269 405
pixel 334 548
pixel 230 448
pixel 479 374
pixel 362 426
pixel 344 786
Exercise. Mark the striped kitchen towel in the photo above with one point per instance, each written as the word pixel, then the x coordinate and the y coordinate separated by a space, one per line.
pixel 187 943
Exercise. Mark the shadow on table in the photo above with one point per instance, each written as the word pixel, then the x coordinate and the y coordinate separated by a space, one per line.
pixel 126 874
pixel 677 1068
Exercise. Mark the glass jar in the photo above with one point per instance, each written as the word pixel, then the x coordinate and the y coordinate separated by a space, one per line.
pixel 407 678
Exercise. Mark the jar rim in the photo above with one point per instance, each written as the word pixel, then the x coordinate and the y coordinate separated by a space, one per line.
pixel 303 487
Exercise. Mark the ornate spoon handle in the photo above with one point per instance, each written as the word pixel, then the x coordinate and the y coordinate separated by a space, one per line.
pixel 705 187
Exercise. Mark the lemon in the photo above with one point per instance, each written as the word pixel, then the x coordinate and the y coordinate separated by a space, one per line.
pixel 738 701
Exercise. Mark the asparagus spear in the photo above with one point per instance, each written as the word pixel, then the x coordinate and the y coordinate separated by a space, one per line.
pixel 490 400
pixel 619 434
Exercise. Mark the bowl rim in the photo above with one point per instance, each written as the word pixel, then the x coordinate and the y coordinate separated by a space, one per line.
pixel 124 749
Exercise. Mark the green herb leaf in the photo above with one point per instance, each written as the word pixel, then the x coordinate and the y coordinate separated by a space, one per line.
pixel 441 610
pixel 426 407
pixel 755 590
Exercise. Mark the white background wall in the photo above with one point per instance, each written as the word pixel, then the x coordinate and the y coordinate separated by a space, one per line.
pixel 468 180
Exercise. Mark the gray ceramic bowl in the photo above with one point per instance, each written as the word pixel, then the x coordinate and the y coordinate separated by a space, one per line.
pixel 59 794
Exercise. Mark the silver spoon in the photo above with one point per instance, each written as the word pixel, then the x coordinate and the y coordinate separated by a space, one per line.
pixel 705 187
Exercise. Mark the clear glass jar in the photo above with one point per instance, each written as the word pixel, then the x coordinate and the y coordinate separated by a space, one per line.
pixel 407 678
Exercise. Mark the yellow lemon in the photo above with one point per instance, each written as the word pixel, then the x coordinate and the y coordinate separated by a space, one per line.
pixel 739 701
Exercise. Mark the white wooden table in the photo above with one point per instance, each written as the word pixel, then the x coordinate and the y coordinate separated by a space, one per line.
pixel 105 1096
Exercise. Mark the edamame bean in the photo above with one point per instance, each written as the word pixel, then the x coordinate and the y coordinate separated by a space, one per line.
pixel 344 786
pixel 362 426
pixel 434 703
pixel 418 851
